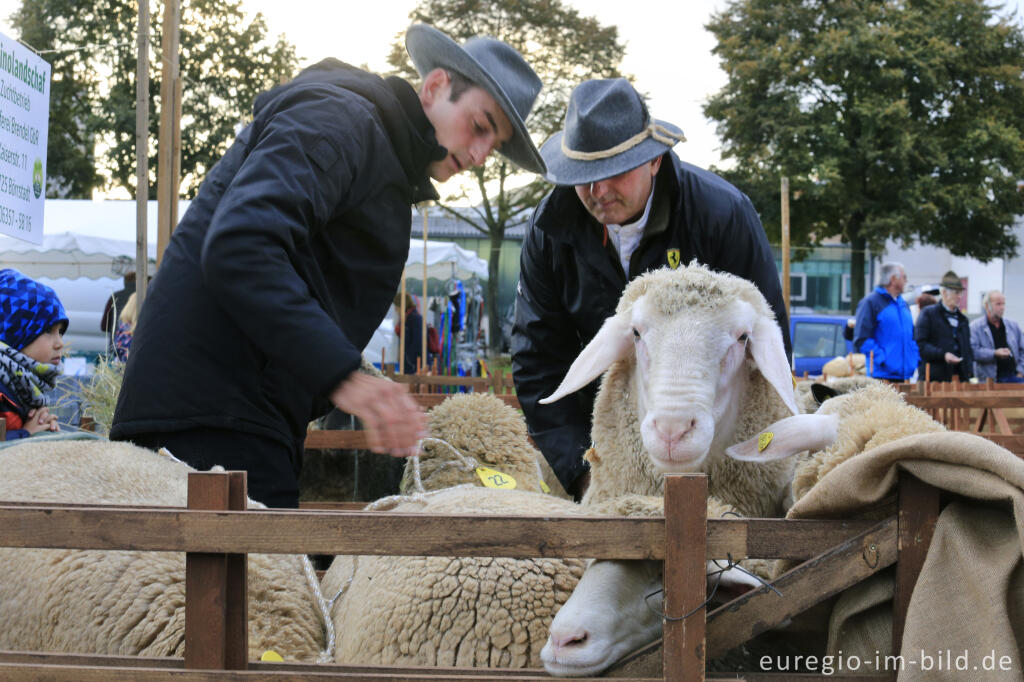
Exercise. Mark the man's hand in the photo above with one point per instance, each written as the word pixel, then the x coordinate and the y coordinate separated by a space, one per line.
pixel 953 359
pixel 40 419
pixel 1003 353
pixel 393 421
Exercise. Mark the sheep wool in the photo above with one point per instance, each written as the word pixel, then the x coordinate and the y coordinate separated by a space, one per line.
pixel 480 427
pixel 870 416
pixel 128 603
pixel 805 398
pixel 446 611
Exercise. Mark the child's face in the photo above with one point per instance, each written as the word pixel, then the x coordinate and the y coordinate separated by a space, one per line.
pixel 47 346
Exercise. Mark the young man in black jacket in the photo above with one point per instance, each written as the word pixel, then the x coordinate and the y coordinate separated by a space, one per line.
pixel 624 204
pixel 287 260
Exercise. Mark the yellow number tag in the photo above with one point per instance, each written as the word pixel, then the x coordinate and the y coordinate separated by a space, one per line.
pixel 495 479
pixel 763 440
pixel 545 487
pixel 271 655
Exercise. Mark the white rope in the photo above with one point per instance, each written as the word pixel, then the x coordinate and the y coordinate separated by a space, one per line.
pixel 390 502
pixel 327 655
pixel 653 130
pixel 468 462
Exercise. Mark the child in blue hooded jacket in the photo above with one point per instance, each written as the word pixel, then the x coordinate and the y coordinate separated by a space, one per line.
pixel 32 326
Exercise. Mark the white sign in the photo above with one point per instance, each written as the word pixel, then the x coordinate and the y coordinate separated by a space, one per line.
pixel 24 117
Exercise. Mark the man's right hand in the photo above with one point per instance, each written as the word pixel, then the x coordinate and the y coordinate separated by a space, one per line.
pixel 1003 353
pixel 393 421
pixel 952 359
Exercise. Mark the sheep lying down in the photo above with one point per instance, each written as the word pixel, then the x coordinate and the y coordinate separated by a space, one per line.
pixel 448 611
pixel 127 602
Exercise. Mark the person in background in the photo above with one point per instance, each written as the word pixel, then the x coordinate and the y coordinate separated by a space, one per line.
pixel 126 328
pixel 413 323
pixel 943 336
pixel 884 330
pixel 112 310
pixel 624 204
pixel 32 326
pixel 997 343
pixel 926 298
pixel 289 258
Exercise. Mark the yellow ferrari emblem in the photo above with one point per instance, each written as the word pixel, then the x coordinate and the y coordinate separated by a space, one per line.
pixel 673 258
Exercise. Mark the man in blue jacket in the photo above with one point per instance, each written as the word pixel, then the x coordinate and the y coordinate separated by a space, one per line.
pixel 885 330
pixel 290 255
pixel 625 204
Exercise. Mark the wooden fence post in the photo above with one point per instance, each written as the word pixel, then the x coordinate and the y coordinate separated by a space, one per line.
pixel 686 532
pixel 216 585
pixel 918 514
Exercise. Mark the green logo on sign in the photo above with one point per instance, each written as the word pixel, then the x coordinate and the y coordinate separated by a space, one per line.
pixel 37 178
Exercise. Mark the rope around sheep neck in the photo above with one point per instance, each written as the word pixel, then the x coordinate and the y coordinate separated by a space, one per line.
pixel 466 463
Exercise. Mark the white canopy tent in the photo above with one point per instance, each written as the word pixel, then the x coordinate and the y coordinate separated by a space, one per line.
pixel 72 256
pixel 444 260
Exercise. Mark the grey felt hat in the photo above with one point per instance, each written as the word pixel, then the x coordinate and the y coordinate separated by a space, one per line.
pixel 951 280
pixel 494 66
pixel 607 132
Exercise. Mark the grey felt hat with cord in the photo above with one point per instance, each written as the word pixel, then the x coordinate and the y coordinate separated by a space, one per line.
pixel 607 132
pixel 494 66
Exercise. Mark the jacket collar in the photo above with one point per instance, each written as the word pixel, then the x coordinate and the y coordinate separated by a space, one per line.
pixel 412 136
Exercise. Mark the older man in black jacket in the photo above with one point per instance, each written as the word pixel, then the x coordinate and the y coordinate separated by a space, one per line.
pixel 287 260
pixel 943 336
pixel 624 204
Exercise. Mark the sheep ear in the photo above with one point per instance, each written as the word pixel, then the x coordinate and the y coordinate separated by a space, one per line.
pixel 613 341
pixel 769 353
pixel 787 437
pixel 821 393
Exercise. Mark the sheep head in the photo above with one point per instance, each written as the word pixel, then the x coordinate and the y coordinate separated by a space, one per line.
pixel 690 335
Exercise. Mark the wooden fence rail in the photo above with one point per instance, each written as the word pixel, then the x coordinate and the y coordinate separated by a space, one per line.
pixel 216 542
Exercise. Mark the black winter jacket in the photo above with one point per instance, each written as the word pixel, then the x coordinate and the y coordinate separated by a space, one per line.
pixel 935 336
pixel 285 263
pixel 571 279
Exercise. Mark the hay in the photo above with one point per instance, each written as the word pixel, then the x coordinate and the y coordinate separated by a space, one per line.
pixel 99 394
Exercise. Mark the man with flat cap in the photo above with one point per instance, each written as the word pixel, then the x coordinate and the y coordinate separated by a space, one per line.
pixel 943 336
pixel 624 204
pixel 287 260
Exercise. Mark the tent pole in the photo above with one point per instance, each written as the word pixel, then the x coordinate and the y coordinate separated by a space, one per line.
pixel 401 328
pixel 142 153
pixel 169 146
pixel 424 299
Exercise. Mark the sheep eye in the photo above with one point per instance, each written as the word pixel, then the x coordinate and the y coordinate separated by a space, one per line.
pixel 636 334
pixel 742 338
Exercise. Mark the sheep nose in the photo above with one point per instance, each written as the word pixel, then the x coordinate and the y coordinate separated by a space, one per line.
pixel 673 430
pixel 566 640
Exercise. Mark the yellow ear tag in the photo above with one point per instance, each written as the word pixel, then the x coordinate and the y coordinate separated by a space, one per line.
pixel 545 487
pixel 271 655
pixel 495 479
pixel 763 440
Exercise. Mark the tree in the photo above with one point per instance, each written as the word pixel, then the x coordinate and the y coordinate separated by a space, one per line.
pixel 564 48
pixel 225 61
pixel 893 119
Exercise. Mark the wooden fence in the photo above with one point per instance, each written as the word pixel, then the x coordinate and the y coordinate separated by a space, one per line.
pixel 994 411
pixel 217 533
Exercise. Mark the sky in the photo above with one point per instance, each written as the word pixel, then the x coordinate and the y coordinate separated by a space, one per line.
pixel 667 48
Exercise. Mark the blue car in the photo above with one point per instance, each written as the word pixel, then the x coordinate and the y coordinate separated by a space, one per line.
pixel 816 340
